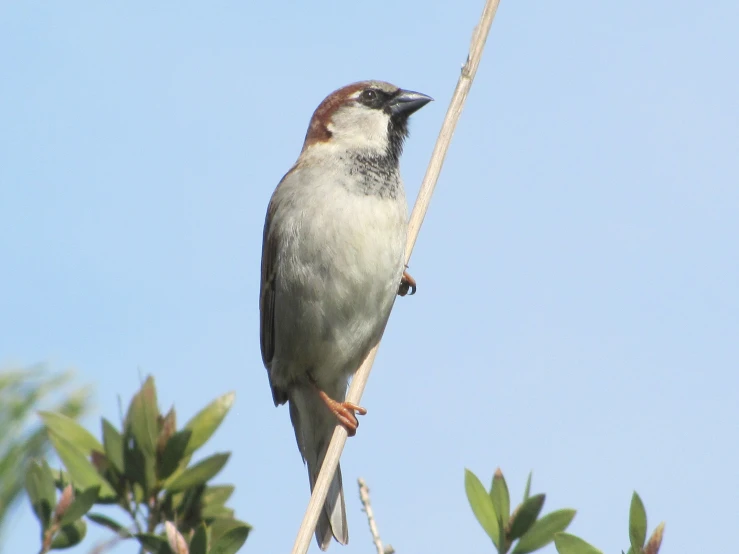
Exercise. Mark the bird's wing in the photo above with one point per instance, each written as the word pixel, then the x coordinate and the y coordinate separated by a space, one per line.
pixel 267 294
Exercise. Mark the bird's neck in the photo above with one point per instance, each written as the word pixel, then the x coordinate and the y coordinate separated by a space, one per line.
pixel 368 172
pixel 373 174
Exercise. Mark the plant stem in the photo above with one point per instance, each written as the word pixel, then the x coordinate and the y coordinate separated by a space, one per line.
pixel 336 446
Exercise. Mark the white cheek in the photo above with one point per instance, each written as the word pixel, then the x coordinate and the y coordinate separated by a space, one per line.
pixel 360 128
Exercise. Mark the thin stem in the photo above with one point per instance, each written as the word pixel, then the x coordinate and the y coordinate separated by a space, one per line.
pixel 129 498
pixel 359 381
pixel 48 537
pixel 364 497
pixel 154 513
pixel 108 544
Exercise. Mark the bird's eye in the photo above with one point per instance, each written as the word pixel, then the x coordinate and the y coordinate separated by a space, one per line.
pixel 369 95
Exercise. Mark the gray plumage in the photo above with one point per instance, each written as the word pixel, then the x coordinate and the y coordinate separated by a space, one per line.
pixel 332 260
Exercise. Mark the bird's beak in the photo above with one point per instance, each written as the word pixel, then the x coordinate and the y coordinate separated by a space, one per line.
pixel 406 102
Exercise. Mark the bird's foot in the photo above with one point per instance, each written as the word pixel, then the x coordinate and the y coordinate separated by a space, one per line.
pixel 344 412
pixel 407 282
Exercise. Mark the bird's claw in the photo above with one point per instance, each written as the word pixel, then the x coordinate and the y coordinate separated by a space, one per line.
pixel 344 411
pixel 407 283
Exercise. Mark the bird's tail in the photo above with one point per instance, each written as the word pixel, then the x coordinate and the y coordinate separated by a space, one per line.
pixel 314 425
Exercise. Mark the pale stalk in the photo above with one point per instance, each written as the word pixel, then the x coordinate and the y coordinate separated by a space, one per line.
pixel 365 499
pixel 359 381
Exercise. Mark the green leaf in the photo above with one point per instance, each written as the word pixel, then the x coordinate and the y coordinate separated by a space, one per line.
pixel 41 491
pixel 81 471
pixel 111 475
pixel 134 462
pixel 543 531
pixel 570 544
pixel 174 453
pixel 138 493
pixel 217 495
pixel 113 442
pixel 231 540
pixel 198 474
pixel 153 543
pixel 205 422
pixel 69 535
pixel 61 479
pixel 199 542
pixel 48 482
pixel 142 417
pixel 188 505
pixel 527 490
pixel 80 505
pixel 140 437
pixel 111 524
pixel 35 494
pixel 501 500
pixel 216 511
pixel 219 527
pixel 71 431
pixel 526 515
pixel 637 523
pixel 482 505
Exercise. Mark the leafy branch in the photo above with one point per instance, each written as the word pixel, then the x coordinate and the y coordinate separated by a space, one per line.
pixel 22 392
pixel 522 530
pixel 145 469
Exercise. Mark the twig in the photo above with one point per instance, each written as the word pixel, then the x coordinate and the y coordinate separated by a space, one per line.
pixel 354 395
pixel 107 545
pixel 364 497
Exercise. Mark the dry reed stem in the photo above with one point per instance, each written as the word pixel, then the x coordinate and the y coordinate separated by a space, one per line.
pixel 359 381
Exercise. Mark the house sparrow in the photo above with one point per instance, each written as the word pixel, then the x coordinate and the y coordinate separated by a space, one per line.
pixel 333 258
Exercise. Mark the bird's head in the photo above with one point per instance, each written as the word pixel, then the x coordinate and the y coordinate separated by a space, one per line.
pixel 369 117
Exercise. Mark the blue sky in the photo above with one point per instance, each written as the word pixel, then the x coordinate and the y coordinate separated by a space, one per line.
pixel 578 302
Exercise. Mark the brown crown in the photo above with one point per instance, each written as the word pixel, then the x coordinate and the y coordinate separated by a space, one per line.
pixel 318 128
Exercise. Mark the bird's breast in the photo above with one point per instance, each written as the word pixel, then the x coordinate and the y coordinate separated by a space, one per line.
pixel 353 243
pixel 338 273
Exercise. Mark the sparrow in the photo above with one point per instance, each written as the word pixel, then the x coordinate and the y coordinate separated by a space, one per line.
pixel 333 260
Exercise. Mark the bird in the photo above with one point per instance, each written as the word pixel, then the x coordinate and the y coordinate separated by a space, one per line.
pixel 333 261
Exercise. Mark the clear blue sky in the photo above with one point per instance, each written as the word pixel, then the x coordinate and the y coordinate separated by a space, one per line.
pixel 578 302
